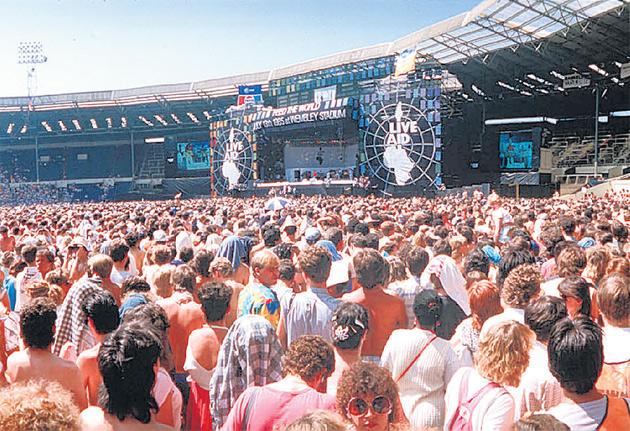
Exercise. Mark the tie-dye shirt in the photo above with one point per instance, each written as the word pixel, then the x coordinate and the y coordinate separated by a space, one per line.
pixel 260 300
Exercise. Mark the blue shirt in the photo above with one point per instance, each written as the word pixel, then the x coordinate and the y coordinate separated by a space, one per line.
pixel 311 313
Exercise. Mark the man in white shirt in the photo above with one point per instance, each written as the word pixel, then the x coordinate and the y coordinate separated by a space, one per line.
pixel 119 252
pixel 28 274
pixel 539 389
pixel 521 286
pixel 575 342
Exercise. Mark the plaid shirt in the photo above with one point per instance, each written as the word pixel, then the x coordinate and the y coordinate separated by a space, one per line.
pixel 250 356
pixel 71 319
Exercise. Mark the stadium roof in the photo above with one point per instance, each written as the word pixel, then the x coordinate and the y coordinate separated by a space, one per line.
pixel 524 47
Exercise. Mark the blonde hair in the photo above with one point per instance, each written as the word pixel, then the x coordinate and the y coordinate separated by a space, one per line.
pixel 264 258
pixel 101 265
pixel 597 259
pixel 223 266
pixel 163 282
pixel 318 420
pixel 38 405
pixel 503 353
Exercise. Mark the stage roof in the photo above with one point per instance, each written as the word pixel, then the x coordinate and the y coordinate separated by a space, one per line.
pixel 500 47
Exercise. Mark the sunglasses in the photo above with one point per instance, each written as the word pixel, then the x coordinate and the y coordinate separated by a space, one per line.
pixel 380 405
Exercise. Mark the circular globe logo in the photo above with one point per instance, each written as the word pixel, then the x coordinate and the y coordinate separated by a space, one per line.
pixel 233 157
pixel 400 144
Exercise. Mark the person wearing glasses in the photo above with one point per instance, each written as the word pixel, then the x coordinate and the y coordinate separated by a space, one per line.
pixel 367 397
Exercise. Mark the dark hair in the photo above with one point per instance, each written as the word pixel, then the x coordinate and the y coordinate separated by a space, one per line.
pixel 334 235
pixel 37 321
pixel 28 253
pixel 542 314
pixel 135 284
pixel 152 317
pixel 349 322
pixel 442 246
pixel 201 262
pixel 371 241
pixel 576 354
pixel 619 231
pixel 476 260
pixel 417 260
pixel 271 236
pixel 371 268
pixel 510 259
pixel 284 250
pixel 215 300
pixel 308 356
pixel 286 269
pixel 567 224
pixel 576 287
pixel 186 254
pixel 361 228
pixel 118 250
pixel 101 307
pixel 540 422
pixel 184 278
pixel 427 307
pixel 126 360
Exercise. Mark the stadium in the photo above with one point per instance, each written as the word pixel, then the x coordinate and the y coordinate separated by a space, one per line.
pixel 531 93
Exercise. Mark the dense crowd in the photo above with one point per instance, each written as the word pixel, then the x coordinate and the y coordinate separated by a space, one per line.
pixel 333 313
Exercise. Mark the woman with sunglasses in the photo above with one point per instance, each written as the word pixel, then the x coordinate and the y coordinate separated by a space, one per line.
pixel 368 397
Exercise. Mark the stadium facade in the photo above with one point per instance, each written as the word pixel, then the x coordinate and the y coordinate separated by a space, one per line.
pixel 534 92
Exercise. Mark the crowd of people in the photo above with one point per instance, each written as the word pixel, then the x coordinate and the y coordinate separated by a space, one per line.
pixel 333 313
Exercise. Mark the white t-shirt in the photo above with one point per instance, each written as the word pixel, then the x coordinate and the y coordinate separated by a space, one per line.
pixel 584 416
pixel 495 410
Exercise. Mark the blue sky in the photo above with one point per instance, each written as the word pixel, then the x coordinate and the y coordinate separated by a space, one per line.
pixel 111 44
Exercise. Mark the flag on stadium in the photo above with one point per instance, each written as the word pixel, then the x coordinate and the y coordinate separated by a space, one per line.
pixel 405 62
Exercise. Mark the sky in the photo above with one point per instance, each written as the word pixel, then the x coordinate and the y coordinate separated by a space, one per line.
pixel 94 45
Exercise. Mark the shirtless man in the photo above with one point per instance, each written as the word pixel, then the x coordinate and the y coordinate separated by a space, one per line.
pixel 184 315
pixel 128 379
pixel 372 272
pixel 221 270
pixel 102 316
pixel 7 242
pixel 37 323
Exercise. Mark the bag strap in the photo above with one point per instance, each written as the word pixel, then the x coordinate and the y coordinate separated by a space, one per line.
pixel 415 359
pixel 477 397
pixel 248 409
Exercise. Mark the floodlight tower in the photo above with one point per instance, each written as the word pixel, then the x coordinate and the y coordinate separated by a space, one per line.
pixel 31 53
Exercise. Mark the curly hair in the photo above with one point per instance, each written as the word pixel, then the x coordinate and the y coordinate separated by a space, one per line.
pixel 215 300
pixel 571 261
pixel 503 353
pixel 201 262
pixel 365 378
pixel 38 405
pixel 308 356
pixel 37 321
pixel 222 266
pixel 135 284
pixel 316 262
pixel 521 286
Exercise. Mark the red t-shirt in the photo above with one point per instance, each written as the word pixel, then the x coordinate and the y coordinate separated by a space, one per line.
pixel 273 408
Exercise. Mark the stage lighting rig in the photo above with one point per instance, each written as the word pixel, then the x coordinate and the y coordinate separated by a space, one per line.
pixel 31 53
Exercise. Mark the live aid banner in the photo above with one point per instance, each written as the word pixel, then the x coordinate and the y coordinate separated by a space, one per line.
pixel 308 113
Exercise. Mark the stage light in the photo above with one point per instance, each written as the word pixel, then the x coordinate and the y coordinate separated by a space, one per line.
pixel 108 120
pixel 542 90
pixel 24 129
pixel 144 120
pixel 176 118
pixel 46 126
pixel 557 75
pixel 505 85
pixel 192 117
pixel 620 114
pixel 123 121
pixel 520 120
pixel 160 119
pixel 62 126
pixel 208 116
pixel 158 140
pixel 93 123
pixel 76 124
pixel 10 128
pixel 597 69
pixel 478 90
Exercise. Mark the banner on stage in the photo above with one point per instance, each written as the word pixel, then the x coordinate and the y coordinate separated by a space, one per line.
pixel 336 109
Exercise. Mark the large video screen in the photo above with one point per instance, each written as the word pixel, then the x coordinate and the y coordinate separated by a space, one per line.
pixel 192 156
pixel 517 150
